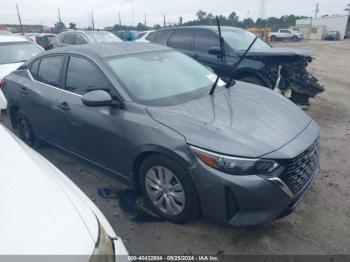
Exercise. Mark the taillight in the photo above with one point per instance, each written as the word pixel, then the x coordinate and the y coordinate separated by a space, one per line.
pixel 2 83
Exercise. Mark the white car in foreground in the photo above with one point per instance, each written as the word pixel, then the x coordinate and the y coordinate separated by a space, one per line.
pixel 14 51
pixel 145 36
pixel 44 213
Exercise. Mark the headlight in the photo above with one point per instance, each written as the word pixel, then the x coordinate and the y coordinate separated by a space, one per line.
pixel 104 249
pixel 235 165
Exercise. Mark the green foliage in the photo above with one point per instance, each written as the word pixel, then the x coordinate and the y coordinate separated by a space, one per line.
pixel 72 25
pixel 59 26
pixel 233 20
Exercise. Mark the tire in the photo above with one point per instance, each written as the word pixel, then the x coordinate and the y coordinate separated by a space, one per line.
pixel 294 38
pixel 273 38
pixel 25 129
pixel 160 196
pixel 253 80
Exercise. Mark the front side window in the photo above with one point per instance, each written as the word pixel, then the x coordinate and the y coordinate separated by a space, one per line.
pixel 50 70
pixel 102 37
pixel 159 78
pixel 240 40
pixel 205 40
pixel 83 76
pixel 17 52
pixel 182 39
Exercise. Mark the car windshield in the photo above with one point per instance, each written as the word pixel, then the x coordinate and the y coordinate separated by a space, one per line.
pixel 162 78
pixel 17 52
pixel 102 37
pixel 240 40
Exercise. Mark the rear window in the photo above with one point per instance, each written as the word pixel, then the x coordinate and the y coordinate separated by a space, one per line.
pixel 102 37
pixel 141 35
pixel 17 52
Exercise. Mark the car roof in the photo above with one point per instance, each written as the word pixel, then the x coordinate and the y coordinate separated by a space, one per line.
pixel 109 49
pixel 212 28
pixel 11 39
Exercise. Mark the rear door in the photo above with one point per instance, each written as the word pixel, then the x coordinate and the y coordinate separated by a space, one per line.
pixel 39 94
pixel 182 40
pixel 92 132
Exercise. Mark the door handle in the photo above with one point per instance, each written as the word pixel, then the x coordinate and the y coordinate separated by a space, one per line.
pixel 23 91
pixel 195 55
pixel 64 106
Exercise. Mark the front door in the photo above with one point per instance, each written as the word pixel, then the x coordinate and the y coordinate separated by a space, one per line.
pixel 92 132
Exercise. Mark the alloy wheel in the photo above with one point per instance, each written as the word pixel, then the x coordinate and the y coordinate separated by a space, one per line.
pixel 165 190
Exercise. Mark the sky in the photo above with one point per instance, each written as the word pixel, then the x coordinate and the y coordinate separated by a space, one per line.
pixel 106 11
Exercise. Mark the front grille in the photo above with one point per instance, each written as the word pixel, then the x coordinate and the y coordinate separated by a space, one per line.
pixel 299 170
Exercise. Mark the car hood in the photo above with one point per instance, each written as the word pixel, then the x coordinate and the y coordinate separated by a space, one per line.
pixel 6 69
pixel 244 120
pixel 39 214
pixel 282 52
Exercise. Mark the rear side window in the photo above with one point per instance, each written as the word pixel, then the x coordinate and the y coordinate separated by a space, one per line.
pixel 69 39
pixel 204 40
pixel 50 70
pixel 181 39
pixel 84 76
pixel 34 69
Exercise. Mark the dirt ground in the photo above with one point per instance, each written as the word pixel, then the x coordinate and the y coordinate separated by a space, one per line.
pixel 321 223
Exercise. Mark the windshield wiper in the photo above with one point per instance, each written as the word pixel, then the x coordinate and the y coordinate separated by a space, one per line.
pixel 212 90
pixel 235 67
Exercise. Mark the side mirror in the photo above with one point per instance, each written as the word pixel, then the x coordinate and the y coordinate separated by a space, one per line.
pixel 97 98
pixel 215 50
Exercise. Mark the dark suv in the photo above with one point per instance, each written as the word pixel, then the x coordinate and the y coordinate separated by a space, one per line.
pixel 263 64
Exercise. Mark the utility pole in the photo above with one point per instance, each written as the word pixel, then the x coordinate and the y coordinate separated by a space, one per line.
pixel 145 21
pixel 262 9
pixel 92 20
pixel 164 22
pixel 19 19
pixel 133 14
pixel 120 20
pixel 317 10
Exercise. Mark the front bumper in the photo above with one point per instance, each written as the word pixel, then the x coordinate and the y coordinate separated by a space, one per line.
pixel 243 200
pixel 253 199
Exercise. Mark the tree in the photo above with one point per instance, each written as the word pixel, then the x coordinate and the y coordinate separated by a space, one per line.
pixel 233 18
pixel 72 25
pixel 156 27
pixel 201 15
pixel 347 9
pixel 59 26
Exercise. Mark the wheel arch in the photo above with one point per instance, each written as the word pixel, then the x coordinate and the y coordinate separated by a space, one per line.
pixel 143 152
pixel 13 110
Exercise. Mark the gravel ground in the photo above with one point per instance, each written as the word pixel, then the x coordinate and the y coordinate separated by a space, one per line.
pixel 321 223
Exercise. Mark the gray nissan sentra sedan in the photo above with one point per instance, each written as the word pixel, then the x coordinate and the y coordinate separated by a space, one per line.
pixel 242 156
